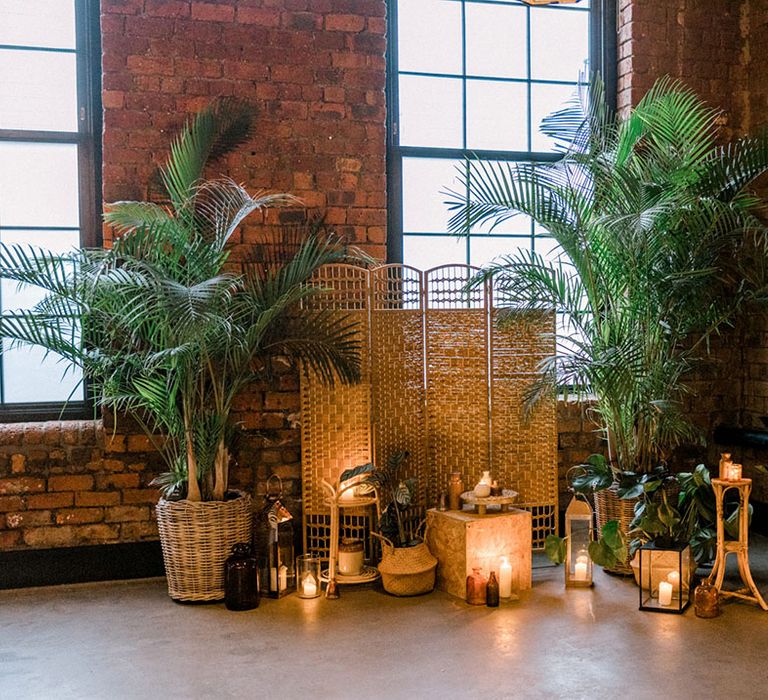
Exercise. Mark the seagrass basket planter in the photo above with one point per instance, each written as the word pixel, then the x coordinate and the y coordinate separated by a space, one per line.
pixel 196 537
pixel 406 571
pixel 608 506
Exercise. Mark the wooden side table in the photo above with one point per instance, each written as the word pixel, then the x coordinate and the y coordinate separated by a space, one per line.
pixel 739 547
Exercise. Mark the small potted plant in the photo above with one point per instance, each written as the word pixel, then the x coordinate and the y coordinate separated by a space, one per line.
pixel 407 566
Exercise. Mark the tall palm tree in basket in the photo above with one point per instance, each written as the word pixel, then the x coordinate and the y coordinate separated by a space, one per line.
pixel 168 330
pixel 651 219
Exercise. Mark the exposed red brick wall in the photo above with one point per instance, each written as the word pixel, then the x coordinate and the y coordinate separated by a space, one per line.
pixel 67 483
pixel 314 69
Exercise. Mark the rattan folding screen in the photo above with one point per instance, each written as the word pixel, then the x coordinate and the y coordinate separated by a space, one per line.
pixel 440 379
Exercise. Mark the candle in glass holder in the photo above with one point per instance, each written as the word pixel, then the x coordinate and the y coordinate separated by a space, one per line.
pixel 735 472
pixel 580 571
pixel 674 578
pixel 505 579
pixel 665 593
pixel 309 586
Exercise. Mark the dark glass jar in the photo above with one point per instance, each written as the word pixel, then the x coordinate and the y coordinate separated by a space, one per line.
pixel 241 579
pixel 492 591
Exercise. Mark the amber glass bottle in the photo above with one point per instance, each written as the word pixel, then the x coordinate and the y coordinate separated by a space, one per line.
pixel 492 591
pixel 476 585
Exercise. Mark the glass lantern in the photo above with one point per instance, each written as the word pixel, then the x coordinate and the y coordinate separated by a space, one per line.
pixel 308 576
pixel 578 535
pixel 274 540
pixel 665 577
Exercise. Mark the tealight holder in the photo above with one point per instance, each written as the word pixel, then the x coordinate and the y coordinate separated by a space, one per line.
pixel 308 576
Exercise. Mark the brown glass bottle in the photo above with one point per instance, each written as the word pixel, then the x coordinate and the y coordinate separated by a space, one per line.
pixel 241 579
pixel 476 587
pixel 492 591
pixel 455 489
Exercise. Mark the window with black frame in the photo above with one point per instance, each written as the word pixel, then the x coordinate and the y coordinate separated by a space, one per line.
pixel 49 179
pixel 476 77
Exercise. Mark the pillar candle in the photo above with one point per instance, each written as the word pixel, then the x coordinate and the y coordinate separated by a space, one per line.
pixel 580 571
pixel 665 593
pixel 674 578
pixel 309 587
pixel 505 579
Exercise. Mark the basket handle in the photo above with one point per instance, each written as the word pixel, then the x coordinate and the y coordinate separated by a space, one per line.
pixel 386 542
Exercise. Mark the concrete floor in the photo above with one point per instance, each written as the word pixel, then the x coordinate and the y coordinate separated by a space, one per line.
pixel 128 640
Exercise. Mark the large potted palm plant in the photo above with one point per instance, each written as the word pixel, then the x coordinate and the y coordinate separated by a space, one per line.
pixel 649 216
pixel 167 330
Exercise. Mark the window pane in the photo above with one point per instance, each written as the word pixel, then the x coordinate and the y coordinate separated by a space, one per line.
pixel 425 252
pixel 559 44
pixel 497 115
pixel 38 184
pixel 435 24
pixel 38 90
pixel 48 23
pixel 496 41
pixel 28 376
pixel 430 112
pixel 424 182
pixel 546 99
pixel 58 242
pixel 484 249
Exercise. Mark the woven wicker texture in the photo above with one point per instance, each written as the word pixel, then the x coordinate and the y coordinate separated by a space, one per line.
pixel 196 538
pixel 608 506
pixel 457 377
pixel 442 381
pixel 397 371
pixel 336 421
pixel 407 571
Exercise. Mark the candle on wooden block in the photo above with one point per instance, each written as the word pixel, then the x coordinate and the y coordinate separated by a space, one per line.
pixel 665 593
pixel 505 578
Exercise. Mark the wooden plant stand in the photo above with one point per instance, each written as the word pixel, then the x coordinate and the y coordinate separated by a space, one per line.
pixel 739 547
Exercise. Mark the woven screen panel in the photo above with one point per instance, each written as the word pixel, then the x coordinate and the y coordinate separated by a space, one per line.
pixel 336 421
pixel 397 371
pixel 457 376
pixel 442 380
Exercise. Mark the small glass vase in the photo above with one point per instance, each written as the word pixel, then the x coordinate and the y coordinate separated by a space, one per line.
pixel 308 576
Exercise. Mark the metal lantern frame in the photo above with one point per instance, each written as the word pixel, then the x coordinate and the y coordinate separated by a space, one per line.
pixel 275 545
pixel 579 532
pixel 657 564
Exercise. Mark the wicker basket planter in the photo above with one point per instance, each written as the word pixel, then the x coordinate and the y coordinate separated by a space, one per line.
pixel 196 538
pixel 608 506
pixel 406 571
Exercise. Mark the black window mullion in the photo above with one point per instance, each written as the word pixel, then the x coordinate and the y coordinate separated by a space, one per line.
pixel 87 52
pixel 602 18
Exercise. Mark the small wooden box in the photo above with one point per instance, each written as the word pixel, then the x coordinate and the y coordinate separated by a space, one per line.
pixel 462 540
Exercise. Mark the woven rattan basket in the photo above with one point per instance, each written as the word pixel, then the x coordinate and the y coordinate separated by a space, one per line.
pixel 406 571
pixel 196 538
pixel 608 506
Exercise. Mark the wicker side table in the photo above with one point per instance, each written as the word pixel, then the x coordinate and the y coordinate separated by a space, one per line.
pixel 739 547
pixel 338 500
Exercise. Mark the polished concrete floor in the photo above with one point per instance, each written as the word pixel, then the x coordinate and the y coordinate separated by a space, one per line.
pixel 128 640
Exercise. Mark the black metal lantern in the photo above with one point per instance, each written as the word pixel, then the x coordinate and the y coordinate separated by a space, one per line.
pixel 665 577
pixel 273 535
